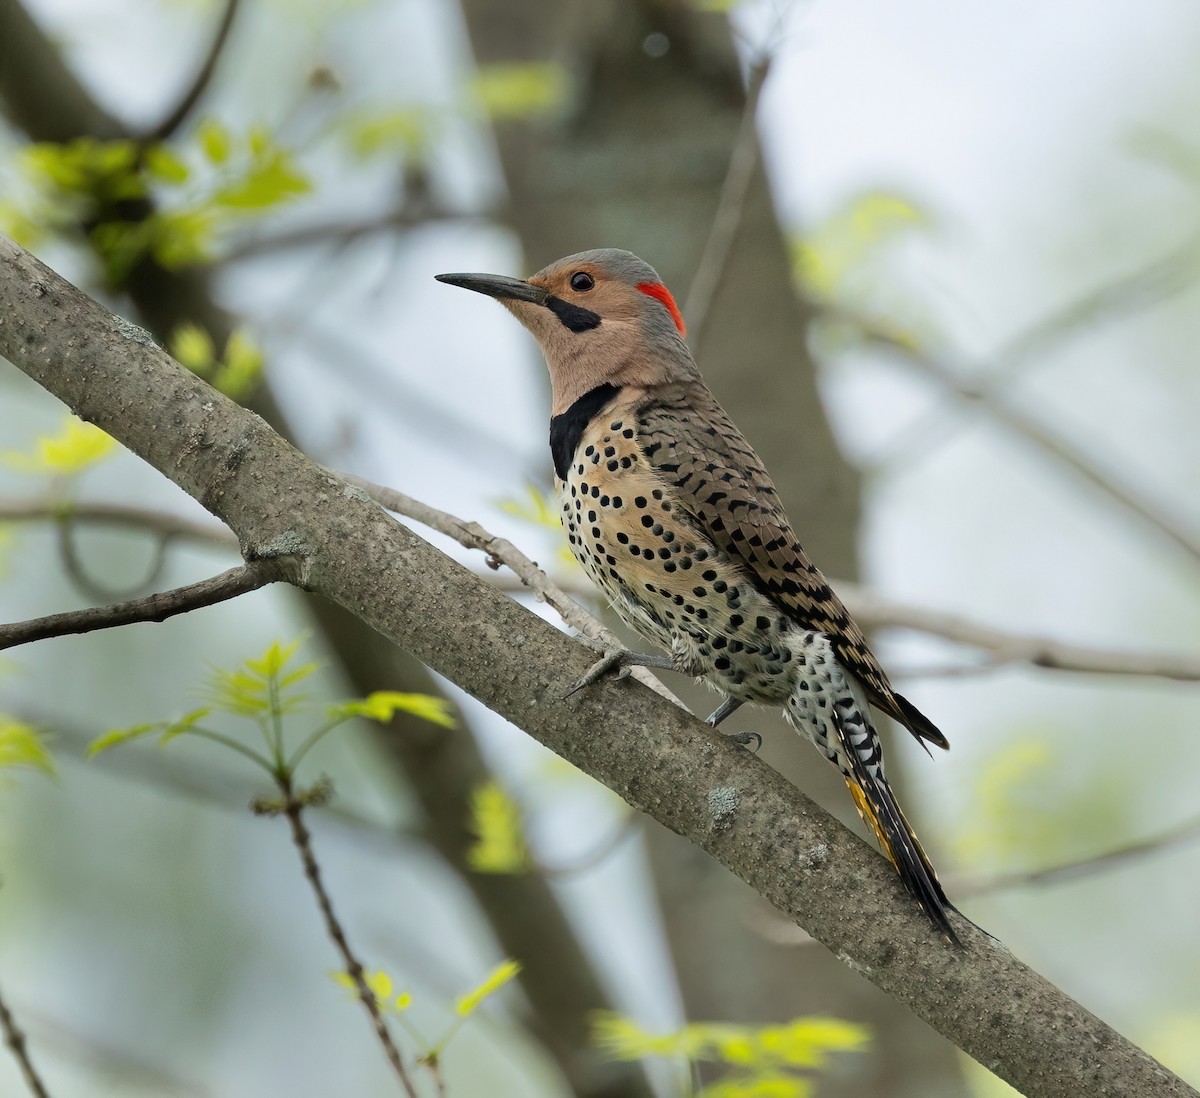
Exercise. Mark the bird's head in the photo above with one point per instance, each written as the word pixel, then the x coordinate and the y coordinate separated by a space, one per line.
pixel 602 316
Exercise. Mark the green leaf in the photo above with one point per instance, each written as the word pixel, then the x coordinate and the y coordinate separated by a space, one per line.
pixel 21 746
pixel 191 346
pixel 1009 817
pixel 504 972
pixel 184 724
pixel 17 222
pixel 758 1055
pixel 247 690
pixel 85 167
pixel 622 1038
pixel 122 735
pixel 67 453
pixel 214 141
pixel 760 1085
pixel 849 239
pixel 271 180
pixel 514 90
pixel 275 658
pixel 241 368
pixel 382 705
pixel 164 165
pixel 183 237
pixel 237 691
pixel 537 508
pixel 500 847
pixel 381 986
pixel 404 131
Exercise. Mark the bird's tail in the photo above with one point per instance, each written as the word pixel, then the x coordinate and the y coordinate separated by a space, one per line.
pixel 877 805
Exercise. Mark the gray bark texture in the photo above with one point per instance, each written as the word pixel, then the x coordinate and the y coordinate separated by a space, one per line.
pixel 338 544
pixel 637 159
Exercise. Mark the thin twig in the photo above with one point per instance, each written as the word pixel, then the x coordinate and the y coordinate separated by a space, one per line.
pixel 989 398
pixel 626 828
pixel 68 552
pixel 293 808
pixel 714 261
pixel 1166 276
pixel 160 523
pixel 874 611
pixel 156 607
pixel 193 93
pixel 343 231
pixel 15 1039
pixel 499 551
pixel 1186 832
pixel 871 610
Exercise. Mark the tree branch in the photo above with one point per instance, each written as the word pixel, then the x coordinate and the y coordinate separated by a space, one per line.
pixel 656 757
pixel 986 395
pixel 1186 832
pixel 470 535
pixel 874 611
pixel 156 607
pixel 161 523
pixel 15 1039
pixel 871 609
pixel 714 261
pixel 292 807
pixel 1166 276
pixel 347 231
pixel 200 82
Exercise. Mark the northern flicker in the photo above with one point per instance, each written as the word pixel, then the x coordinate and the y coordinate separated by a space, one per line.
pixel 672 515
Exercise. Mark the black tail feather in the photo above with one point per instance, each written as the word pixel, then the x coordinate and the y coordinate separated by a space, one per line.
pixel 917 723
pixel 877 805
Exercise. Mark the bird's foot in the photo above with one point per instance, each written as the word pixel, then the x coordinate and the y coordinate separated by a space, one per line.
pixel 751 741
pixel 620 661
pixel 728 706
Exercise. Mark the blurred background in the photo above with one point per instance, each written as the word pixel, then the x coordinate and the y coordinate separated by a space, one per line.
pixel 939 263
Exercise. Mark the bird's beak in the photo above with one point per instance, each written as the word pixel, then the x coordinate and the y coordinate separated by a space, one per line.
pixel 499 286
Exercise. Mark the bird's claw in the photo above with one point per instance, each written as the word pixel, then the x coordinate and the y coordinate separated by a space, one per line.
pixel 751 741
pixel 621 661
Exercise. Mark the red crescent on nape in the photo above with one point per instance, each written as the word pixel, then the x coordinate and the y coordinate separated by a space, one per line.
pixel 658 291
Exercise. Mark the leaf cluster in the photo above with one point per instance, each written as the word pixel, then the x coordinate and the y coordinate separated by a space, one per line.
pixel 772 1061
pixel 264 690
pixel 396 1005
pixel 171 204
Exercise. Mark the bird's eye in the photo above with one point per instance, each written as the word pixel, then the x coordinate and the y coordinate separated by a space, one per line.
pixel 582 281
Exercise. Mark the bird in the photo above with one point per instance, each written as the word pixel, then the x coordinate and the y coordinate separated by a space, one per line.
pixel 673 516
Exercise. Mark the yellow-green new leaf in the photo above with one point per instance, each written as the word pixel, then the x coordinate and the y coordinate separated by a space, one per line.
pixel 183 237
pixel 405 131
pixel 760 1085
pixel 72 450
pixel 122 735
pixel 500 847
pixel 241 368
pixel 164 165
pixel 271 180
pixel 21 746
pixel 192 346
pixel 623 1039
pixel 275 658
pixel 382 705
pixel 520 89
pixel 214 141
pixel 184 724
pixel 504 972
